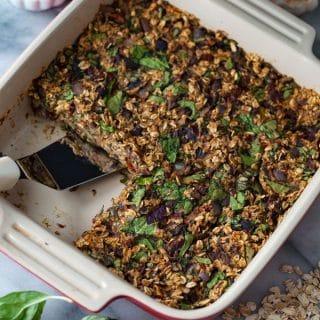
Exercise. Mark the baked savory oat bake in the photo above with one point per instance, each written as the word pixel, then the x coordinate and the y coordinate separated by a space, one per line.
pixel 219 145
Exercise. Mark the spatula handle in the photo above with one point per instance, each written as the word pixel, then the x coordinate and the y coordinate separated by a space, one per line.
pixel 9 173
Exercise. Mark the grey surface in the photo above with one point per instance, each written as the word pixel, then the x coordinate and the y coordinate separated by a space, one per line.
pixel 17 29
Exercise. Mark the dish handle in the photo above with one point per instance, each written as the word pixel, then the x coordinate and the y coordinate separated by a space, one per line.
pixel 55 262
pixel 282 24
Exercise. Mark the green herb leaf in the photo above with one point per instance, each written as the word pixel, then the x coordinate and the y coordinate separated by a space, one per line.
pixel 237 203
pixel 139 226
pixel 215 192
pixel 287 91
pixel 105 127
pixel 259 93
pixel 170 146
pixel 157 99
pixel 188 239
pixel 177 89
pixel 114 103
pixel 158 174
pixel 113 51
pixel 68 94
pixel 184 205
pixel 194 178
pixel 155 63
pixel 164 82
pixel 111 69
pixel 138 195
pixel 170 190
pixel 144 181
pixel 229 64
pixel 203 260
pixel 270 129
pixel 253 157
pixel 25 305
pixel 138 52
pixel 189 105
pixel 147 243
pixel 247 121
pixel 215 279
pixel 139 255
pixel 278 187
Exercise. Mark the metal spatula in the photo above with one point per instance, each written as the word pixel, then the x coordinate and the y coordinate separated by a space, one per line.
pixel 55 166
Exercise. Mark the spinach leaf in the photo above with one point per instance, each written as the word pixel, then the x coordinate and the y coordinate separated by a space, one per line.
pixel 138 195
pixel 157 99
pixel 215 192
pixel 155 63
pixel 270 129
pixel 105 128
pixel 138 52
pixel 237 203
pixel 203 260
pixel 247 121
pixel 143 181
pixel 147 243
pixel 158 174
pixel 278 187
pixel 189 105
pixel 115 102
pixel 164 82
pixel 170 146
pixel 215 279
pixel 170 190
pixel 184 205
pixel 229 64
pixel 252 158
pixel 26 305
pixel 139 226
pixel 188 239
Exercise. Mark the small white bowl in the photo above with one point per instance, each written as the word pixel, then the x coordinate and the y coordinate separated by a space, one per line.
pixel 36 5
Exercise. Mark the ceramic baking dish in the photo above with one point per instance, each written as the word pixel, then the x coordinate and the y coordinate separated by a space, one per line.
pixel 38 232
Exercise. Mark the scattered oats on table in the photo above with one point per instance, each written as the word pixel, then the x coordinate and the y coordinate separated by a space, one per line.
pixel 218 143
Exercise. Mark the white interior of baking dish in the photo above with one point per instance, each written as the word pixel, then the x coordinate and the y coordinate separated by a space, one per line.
pixel 39 233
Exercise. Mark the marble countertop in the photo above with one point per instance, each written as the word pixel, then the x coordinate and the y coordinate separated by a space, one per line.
pixel 17 29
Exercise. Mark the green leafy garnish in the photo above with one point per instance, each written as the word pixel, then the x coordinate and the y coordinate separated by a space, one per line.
pixel 157 99
pixel 147 243
pixel 113 51
pixel 138 195
pixel 25 305
pixel 253 157
pixel 203 260
pixel 215 192
pixel 139 255
pixel 105 128
pixel 184 205
pixel 189 105
pixel 247 121
pixel 270 129
pixel 188 239
pixel 139 226
pixel 237 203
pixel 170 146
pixel 170 190
pixel 155 63
pixel 164 82
pixel 287 91
pixel 115 102
pixel 111 69
pixel 68 94
pixel 229 64
pixel 259 93
pixel 194 178
pixel 177 89
pixel 278 187
pixel 138 52
pixel 144 181
pixel 215 279
pixel 158 174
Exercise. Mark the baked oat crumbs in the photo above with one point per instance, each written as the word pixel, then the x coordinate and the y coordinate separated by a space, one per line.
pixel 218 143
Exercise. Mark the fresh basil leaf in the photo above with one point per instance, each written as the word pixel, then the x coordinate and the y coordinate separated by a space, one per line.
pixel 215 279
pixel 229 64
pixel 189 105
pixel 157 99
pixel 203 260
pixel 170 146
pixel 138 52
pixel 138 195
pixel 270 129
pixel 155 63
pixel 114 103
pixel 188 239
pixel 26 305
pixel 237 203
pixel 139 226
pixel 105 128
pixel 278 187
